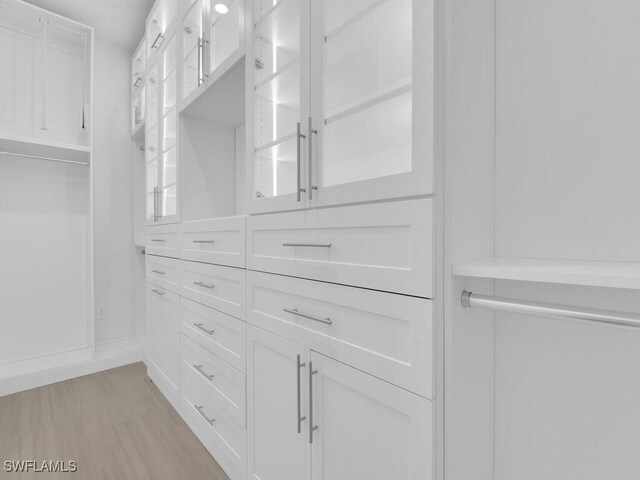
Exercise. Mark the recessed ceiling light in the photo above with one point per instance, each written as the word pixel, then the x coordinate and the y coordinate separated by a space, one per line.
pixel 221 8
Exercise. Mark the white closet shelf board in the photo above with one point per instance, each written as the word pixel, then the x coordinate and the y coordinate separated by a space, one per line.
pixel 569 272
pixel 220 100
pixel 37 148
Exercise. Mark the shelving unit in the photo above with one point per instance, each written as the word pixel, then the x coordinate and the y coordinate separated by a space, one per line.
pixel 593 274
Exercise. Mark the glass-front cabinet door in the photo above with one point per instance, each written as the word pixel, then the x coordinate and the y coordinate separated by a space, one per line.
pixel 161 133
pixel 192 42
pixel 225 34
pixel 372 90
pixel 169 165
pixel 152 89
pixel 278 106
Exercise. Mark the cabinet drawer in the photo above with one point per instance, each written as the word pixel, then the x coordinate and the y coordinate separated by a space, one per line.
pixel 387 335
pixel 163 272
pixel 226 385
pixel 218 332
pixel 222 288
pixel 220 434
pixel 163 240
pixel 219 241
pixel 385 247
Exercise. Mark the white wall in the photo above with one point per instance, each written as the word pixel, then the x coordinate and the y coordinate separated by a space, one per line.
pixel 113 207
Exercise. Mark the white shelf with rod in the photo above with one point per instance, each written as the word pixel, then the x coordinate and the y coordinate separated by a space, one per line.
pixel 569 272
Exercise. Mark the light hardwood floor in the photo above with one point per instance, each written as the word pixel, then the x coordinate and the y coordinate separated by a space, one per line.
pixel 115 424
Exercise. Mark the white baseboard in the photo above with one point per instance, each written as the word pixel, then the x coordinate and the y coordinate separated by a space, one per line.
pixel 59 367
pixel 167 388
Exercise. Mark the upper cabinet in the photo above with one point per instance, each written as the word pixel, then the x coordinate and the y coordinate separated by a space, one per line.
pixel 161 136
pixel 138 66
pixel 343 101
pixel 45 78
pixel 159 24
pixel 212 41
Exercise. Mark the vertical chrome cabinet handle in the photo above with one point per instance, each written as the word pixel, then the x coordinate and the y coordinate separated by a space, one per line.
pixel 201 327
pixel 312 131
pixel 312 427
pixel 299 136
pixel 199 408
pixel 204 374
pixel 300 418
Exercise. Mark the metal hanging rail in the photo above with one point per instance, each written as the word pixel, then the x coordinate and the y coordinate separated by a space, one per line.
pixel 563 312
pixel 39 157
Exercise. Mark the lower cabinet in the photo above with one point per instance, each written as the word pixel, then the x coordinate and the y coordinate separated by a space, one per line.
pixel 163 340
pixel 311 417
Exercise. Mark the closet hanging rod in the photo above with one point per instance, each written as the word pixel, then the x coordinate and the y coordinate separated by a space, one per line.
pixel 563 312
pixel 52 159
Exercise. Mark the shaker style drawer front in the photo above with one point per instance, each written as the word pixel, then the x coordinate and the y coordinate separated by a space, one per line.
pixel 387 335
pixel 162 271
pixel 222 288
pixel 220 241
pixel 163 240
pixel 218 332
pixel 386 247
pixel 220 434
pixel 226 384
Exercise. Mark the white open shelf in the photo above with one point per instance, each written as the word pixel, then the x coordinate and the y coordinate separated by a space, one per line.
pixel 43 149
pixel 594 274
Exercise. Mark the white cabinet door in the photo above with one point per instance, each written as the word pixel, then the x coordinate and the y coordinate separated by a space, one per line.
pixel 152 145
pixel 277 103
pixel 163 339
pixel 372 91
pixel 367 428
pixel 276 386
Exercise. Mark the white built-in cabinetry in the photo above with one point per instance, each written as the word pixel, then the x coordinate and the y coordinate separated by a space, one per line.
pixel 297 342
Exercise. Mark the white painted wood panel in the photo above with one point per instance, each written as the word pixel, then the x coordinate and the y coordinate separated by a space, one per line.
pixel 222 288
pixel 162 271
pixel 226 385
pixel 367 428
pixel 163 240
pixel 277 451
pixel 389 336
pixel 218 332
pixel 219 241
pixel 385 247
pixel 163 335
pixel 220 434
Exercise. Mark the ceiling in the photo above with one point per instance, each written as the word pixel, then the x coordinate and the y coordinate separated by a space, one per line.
pixel 119 21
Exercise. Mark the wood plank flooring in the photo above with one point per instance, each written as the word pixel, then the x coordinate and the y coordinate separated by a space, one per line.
pixel 115 424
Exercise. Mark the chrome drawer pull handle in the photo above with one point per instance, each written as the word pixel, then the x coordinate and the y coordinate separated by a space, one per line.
pixel 204 241
pixel 204 374
pixel 315 245
pixel 157 240
pixel 294 311
pixel 158 292
pixel 201 327
pixel 159 272
pixel 201 284
pixel 199 408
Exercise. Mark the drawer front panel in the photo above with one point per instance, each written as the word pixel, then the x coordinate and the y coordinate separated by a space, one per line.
pixel 162 271
pixel 220 434
pixel 389 336
pixel 226 385
pixel 386 247
pixel 220 333
pixel 220 241
pixel 222 288
pixel 163 240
